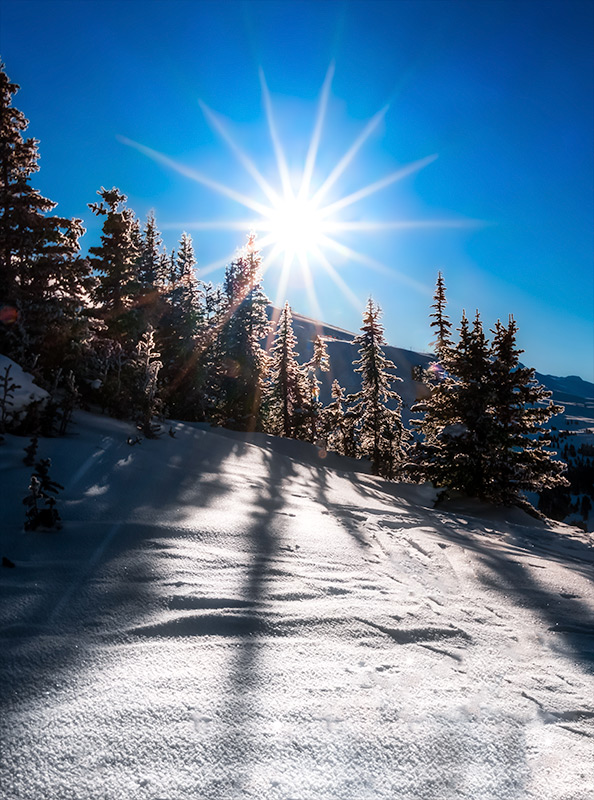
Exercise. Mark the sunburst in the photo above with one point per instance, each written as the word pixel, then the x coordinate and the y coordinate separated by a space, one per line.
pixel 299 228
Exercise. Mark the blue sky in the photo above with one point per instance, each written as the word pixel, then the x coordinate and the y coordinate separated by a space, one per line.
pixel 501 92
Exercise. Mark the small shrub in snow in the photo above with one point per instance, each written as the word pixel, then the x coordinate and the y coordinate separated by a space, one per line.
pixel 41 501
pixel 31 452
pixel 7 390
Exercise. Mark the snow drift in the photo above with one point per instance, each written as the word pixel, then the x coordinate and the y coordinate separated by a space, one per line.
pixel 223 616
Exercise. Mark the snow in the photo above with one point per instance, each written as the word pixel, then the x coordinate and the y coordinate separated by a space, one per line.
pixel 26 390
pixel 224 616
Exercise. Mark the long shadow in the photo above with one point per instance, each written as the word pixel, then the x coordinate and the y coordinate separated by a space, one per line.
pixel 246 679
pixel 565 614
pixel 54 624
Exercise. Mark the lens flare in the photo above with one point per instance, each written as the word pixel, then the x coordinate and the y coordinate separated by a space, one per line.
pixel 298 228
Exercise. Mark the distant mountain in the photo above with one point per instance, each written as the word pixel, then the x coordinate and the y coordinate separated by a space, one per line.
pixel 572 392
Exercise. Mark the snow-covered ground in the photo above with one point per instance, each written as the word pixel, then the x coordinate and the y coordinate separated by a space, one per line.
pixel 224 616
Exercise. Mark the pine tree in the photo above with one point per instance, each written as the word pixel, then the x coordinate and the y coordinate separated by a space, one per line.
pixel 116 261
pixel 42 280
pixel 339 424
pixel 182 336
pixel 319 362
pixel 151 252
pixel 146 366
pixel 482 422
pixel 41 499
pixel 370 407
pixel 212 350
pixel 520 458
pixel 441 323
pixel 285 390
pixel 246 327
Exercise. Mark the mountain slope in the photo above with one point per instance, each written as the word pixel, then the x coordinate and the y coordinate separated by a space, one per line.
pixel 222 616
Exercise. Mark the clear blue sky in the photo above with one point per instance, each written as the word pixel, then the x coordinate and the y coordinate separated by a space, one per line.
pixel 502 92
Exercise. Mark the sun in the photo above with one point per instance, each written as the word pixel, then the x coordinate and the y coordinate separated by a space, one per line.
pixel 296 228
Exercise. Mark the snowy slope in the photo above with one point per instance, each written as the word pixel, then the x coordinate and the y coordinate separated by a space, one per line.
pixel 223 616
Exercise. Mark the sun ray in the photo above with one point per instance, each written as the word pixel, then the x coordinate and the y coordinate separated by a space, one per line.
pixel 197 176
pixel 399 225
pixel 376 265
pixel 283 280
pixel 317 132
pixel 349 155
pixel 213 225
pixel 222 262
pixel 310 287
pixel 249 165
pixel 276 143
pixel 340 283
pixel 398 175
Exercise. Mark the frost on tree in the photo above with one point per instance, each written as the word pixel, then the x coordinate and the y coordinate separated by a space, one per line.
pixel 43 281
pixel 244 359
pixel 287 385
pixel 382 436
pixel 482 423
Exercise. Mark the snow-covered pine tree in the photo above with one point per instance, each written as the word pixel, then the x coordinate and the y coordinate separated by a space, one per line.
pixel 370 405
pixel 519 459
pixel 151 285
pixel 285 390
pixel 245 328
pixel 42 280
pixel 181 336
pixel 146 366
pixel 211 349
pixel 151 252
pixel 116 260
pixel 440 321
pixel 41 499
pixel 339 425
pixel 319 362
pixel 457 422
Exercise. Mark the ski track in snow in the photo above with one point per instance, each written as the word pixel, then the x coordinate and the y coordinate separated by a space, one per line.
pixel 223 617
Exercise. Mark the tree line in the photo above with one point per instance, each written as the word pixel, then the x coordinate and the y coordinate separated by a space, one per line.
pixel 130 327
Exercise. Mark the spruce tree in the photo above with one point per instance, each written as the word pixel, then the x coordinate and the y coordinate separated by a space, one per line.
pixel 146 366
pixel 182 335
pixel 43 282
pixel 242 335
pixel 521 459
pixel 151 252
pixel 370 405
pixel 440 321
pixel 116 260
pixel 339 424
pixel 284 395
pixel 319 362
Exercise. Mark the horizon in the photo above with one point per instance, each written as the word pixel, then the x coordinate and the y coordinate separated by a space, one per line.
pixel 463 124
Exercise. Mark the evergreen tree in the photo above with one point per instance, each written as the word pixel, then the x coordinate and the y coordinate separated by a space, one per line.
pixel 149 261
pixel 339 424
pixel 482 422
pixel 243 332
pixel 370 407
pixel 41 499
pixel 182 335
pixel 42 280
pixel 146 365
pixel 520 459
pixel 215 309
pixel 441 323
pixel 319 362
pixel 116 260
pixel 285 390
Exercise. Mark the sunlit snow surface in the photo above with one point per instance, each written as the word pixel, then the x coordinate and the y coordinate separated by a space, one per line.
pixel 225 618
